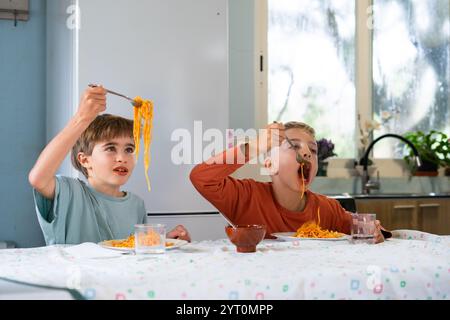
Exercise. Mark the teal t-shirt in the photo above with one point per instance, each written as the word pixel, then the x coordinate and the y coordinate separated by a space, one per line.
pixel 78 214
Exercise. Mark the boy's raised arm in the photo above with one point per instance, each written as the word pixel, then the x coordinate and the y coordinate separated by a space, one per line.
pixel 42 176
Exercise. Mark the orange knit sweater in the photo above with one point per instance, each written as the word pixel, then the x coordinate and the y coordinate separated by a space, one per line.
pixel 247 201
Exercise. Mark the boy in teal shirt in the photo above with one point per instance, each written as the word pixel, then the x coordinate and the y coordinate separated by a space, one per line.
pixel 71 211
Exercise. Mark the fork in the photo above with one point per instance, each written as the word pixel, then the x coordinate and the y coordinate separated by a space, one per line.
pixel 298 157
pixel 129 253
pixel 133 102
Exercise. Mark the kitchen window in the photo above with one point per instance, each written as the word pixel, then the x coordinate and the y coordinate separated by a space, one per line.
pixel 411 69
pixel 384 60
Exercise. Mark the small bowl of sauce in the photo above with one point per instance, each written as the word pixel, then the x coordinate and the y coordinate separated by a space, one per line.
pixel 246 237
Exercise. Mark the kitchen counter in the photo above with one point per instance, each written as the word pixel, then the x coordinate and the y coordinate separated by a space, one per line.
pixel 411 185
pixel 412 265
pixel 445 195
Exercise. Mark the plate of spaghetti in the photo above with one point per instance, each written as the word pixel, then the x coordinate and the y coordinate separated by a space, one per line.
pixel 128 244
pixel 291 236
pixel 312 230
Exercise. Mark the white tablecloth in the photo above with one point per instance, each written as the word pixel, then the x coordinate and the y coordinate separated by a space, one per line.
pixel 414 265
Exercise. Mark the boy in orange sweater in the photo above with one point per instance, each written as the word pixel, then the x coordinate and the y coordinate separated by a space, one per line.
pixel 279 204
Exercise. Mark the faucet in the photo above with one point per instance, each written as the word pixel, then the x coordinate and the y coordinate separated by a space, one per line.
pixel 367 184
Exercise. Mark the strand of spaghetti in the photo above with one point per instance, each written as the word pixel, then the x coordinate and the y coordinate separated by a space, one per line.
pixel 137 126
pixel 146 151
pixel 148 111
pixel 137 131
pixel 303 181
pixel 318 215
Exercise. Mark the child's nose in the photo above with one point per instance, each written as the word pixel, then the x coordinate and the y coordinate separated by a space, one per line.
pixel 305 152
pixel 121 157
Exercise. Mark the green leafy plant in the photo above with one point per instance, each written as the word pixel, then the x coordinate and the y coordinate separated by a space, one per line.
pixel 433 148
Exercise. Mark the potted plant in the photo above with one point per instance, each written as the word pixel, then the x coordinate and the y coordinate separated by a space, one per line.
pixel 434 151
pixel 325 149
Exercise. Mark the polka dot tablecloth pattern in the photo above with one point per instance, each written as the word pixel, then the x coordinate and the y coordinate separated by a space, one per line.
pixel 413 265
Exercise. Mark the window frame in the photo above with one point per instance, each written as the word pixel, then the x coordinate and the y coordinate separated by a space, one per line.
pixel 363 67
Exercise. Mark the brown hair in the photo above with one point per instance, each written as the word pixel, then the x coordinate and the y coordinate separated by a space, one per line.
pixel 104 127
pixel 300 125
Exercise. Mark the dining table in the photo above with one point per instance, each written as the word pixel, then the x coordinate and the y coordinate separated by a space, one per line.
pixel 411 265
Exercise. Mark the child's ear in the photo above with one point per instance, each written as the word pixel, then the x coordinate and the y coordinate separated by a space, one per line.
pixel 84 160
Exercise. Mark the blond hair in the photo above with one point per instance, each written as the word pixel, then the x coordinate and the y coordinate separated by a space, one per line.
pixel 300 125
pixel 104 127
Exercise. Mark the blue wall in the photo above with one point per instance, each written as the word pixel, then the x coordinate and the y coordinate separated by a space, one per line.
pixel 22 124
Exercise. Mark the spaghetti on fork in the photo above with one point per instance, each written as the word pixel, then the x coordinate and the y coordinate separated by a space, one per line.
pixel 143 112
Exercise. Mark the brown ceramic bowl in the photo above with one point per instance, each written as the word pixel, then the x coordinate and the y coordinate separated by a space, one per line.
pixel 246 237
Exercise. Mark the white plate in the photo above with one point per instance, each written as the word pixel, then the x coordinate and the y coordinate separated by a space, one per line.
pixel 289 236
pixel 176 244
